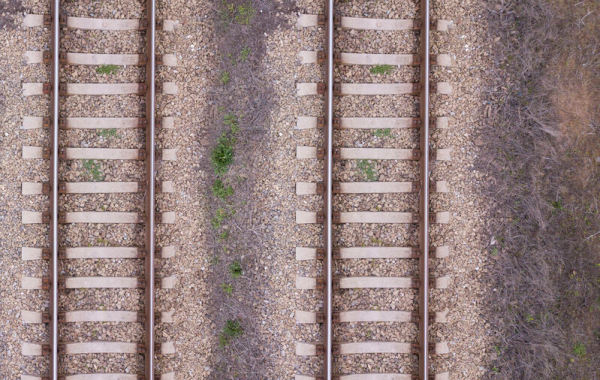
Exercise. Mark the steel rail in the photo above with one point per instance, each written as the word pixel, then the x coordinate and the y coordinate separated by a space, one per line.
pixel 328 204
pixel 424 197
pixel 54 242
pixel 150 189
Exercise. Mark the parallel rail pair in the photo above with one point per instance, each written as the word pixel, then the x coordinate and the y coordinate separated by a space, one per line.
pixel 148 218
pixel 329 348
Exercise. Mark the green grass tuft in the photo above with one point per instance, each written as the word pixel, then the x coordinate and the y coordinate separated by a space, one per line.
pixel 225 77
pixel 579 350
pixel 368 170
pixel 232 122
pixel 106 133
pixel 245 13
pixel 220 190
pixel 222 154
pixel 219 217
pixel 241 14
pixel 235 268
pixel 107 69
pixel 382 69
pixel 232 329
pixel 223 236
pixel 92 168
pixel 244 54
pixel 381 133
pixel 227 288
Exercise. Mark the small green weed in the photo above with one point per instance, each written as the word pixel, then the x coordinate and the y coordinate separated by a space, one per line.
pixel 106 133
pixel 93 169
pixel 219 217
pixel 223 236
pixel 494 251
pixel 107 69
pixel 579 350
pixel 231 59
pixel 102 241
pixel 381 133
pixel 227 288
pixel 242 14
pixel 244 54
pixel 232 329
pixel 225 77
pixel 232 122
pixel 368 170
pixel 235 268
pixel 227 11
pixel 382 69
pixel 558 206
pixel 220 190
pixel 222 154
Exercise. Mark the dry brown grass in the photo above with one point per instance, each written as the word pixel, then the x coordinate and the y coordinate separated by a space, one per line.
pixel 8 10
pixel 542 149
pixel 246 92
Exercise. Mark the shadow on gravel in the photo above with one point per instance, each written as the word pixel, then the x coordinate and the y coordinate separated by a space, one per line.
pixel 241 101
pixel 8 9
pixel 543 152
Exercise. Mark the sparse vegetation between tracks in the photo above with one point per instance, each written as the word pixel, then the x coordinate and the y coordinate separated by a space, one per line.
pixel 93 169
pixel 233 12
pixel 225 78
pixel 242 97
pixel 231 330
pixel 227 288
pixel 368 170
pixel 235 269
pixel 221 190
pixel 223 153
pixel 543 152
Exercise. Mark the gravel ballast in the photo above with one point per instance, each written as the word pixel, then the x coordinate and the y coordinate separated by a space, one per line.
pixel 275 170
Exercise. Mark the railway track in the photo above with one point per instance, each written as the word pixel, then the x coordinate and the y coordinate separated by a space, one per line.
pixel 344 230
pixel 98 229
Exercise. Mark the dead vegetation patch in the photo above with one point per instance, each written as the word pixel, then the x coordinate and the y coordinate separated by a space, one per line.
pixel 543 153
pixel 8 10
pixel 241 98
